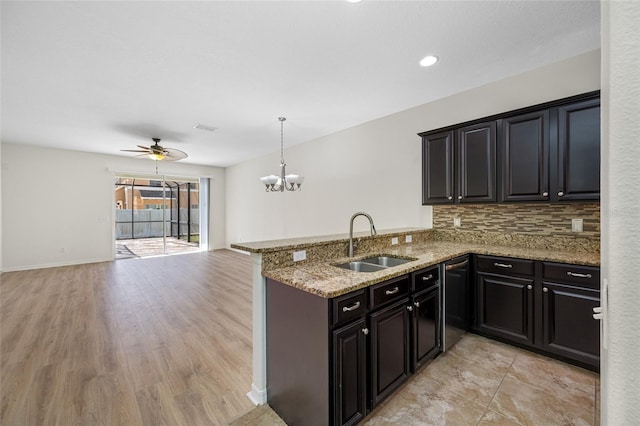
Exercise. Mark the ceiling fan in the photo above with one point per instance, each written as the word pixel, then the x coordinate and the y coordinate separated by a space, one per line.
pixel 157 152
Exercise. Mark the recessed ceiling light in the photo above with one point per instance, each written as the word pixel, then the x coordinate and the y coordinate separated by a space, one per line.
pixel 354 1
pixel 427 61
pixel 205 127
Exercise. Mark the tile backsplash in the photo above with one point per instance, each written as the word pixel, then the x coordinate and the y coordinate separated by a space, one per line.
pixel 530 219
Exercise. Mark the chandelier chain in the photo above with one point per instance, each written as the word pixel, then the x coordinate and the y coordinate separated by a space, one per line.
pixel 282 119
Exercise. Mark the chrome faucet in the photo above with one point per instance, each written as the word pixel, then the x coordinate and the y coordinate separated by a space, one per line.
pixel 373 230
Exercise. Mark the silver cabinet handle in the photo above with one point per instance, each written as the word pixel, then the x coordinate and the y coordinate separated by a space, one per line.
pixel 459 197
pixel 409 308
pixel 529 287
pixel 365 331
pixel 427 278
pixel 390 292
pixel 351 308
pixel 577 275
pixel 560 194
pixel 450 197
pixel 417 304
pixel 545 289
pixel 544 194
pixel 503 265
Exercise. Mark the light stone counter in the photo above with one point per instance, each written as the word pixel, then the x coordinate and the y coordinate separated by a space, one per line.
pixel 326 280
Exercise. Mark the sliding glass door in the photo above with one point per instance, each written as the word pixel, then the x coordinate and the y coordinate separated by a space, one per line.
pixel 156 215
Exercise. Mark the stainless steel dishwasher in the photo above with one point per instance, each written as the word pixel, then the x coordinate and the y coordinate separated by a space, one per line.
pixel 456 304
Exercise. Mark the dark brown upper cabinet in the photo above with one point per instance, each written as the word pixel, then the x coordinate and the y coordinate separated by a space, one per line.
pixel 437 168
pixel 548 152
pixel 460 166
pixel 524 151
pixel 476 163
pixel 578 152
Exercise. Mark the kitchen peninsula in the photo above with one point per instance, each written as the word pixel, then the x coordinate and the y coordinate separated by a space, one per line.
pixel 308 387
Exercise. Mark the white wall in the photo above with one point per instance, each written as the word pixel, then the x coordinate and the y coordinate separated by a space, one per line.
pixel 620 369
pixel 376 166
pixel 54 199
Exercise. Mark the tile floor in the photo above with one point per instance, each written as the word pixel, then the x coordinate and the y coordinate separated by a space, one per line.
pixel 483 382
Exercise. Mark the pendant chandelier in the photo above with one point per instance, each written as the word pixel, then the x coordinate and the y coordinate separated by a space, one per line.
pixel 275 183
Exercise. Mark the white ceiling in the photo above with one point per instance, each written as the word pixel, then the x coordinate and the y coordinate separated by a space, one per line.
pixel 103 76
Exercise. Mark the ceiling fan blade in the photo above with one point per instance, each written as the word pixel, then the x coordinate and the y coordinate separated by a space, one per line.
pixel 134 150
pixel 172 154
pixel 143 147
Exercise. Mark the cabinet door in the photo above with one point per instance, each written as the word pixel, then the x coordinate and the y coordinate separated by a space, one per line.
pixel 349 373
pixel 426 326
pixel 390 360
pixel 437 168
pixel 578 153
pixel 568 325
pixel 505 307
pixel 476 163
pixel 524 149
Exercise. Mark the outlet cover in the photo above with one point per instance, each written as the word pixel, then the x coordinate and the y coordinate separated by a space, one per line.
pixel 407 239
pixel 457 222
pixel 576 225
pixel 394 241
pixel 299 255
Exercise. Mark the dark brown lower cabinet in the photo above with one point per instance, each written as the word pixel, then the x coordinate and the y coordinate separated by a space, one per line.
pixel 505 307
pixel 426 326
pixel 390 356
pixel 569 327
pixel 547 306
pixel 350 373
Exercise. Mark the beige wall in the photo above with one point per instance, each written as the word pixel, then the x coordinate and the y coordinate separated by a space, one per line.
pixel 376 167
pixel 58 205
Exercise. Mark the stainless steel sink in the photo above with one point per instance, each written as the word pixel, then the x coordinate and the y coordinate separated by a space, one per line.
pixel 387 261
pixel 361 266
pixel 373 264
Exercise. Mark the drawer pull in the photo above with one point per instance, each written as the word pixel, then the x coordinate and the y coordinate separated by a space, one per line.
pixel 351 308
pixel 427 278
pixel 529 287
pixel 546 290
pixel 393 291
pixel 417 304
pixel 577 275
pixel 409 308
pixel 503 265
pixel 365 331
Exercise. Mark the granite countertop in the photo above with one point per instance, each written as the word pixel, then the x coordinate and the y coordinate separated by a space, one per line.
pixel 325 280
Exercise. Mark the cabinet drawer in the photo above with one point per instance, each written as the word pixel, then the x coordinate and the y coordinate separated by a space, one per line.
pixel 424 279
pixel 389 291
pixel 505 265
pixel 585 276
pixel 349 306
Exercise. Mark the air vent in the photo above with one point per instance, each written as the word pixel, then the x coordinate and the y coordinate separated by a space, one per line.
pixel 204 127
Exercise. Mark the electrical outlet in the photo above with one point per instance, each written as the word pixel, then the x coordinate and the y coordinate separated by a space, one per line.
pixel 299 255
pixel 407 239
pixel 576 225
pixel 457 222
pixel 394 241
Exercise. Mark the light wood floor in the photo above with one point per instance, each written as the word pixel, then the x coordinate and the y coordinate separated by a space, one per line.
pixel 158 341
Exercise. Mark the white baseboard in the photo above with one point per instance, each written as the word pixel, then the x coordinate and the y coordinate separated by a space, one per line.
pixel 257 396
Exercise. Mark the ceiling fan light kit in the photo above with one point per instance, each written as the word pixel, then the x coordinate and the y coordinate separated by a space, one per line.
pixel 284 181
